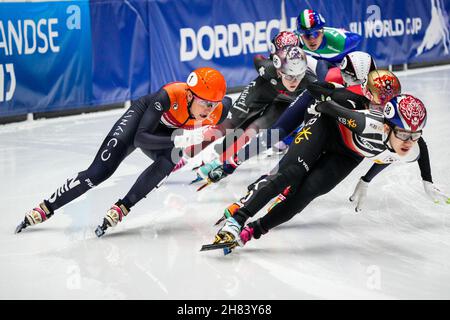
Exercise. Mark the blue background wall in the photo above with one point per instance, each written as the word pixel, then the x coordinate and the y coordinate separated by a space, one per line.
pixel 107 51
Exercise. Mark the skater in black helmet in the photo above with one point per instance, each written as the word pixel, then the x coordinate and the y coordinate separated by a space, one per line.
pixel 355 69
pixel 281 79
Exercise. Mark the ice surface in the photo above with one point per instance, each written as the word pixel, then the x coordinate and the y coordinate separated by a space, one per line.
pixel 399 247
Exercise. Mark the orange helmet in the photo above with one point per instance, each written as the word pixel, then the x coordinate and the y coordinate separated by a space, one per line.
pixel 207 83
pixel 381 86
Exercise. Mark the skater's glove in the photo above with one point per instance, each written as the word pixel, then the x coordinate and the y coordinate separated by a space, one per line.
pixel 188 138
pixel 359 195
pixel 433 192
pixel 222 171
pixel 204 170
pixel 313 108
pixel 217 174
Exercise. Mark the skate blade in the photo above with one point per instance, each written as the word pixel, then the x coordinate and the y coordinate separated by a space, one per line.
pixel 204 185
pixel 20 227
pixel 216 246
pixel 197 167
pixel 196 180
pixel 100 231
pixel 220 221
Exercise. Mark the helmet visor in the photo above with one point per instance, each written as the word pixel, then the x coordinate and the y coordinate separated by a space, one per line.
pixel 292 78
pixel 206 103
pixel 406 135
pixel 351 80
pixel 311 34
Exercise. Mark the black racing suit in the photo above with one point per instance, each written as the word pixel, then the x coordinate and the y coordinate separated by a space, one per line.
pixel 316 162
pixel 259 105
pixel 139 127
pixel 297 112
pixel 355 101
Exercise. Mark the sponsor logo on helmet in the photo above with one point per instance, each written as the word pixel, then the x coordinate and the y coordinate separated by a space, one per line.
pixel 347 122
pixel 389 111
pixel 343 64
pixel 276 61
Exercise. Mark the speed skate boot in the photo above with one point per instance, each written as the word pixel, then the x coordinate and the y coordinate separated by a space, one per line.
pixel 35 216
pixel 113 216
pixel 229 234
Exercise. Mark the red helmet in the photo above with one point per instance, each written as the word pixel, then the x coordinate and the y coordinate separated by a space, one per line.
pixel 207 83
pixel 406 112
pixel 282 39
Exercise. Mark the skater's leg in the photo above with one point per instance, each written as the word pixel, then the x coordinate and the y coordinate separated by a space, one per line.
pixel 117 145
pixel 105 163
pixel 151 178
pixel 329 171
pixel 308 146
pixel 264 121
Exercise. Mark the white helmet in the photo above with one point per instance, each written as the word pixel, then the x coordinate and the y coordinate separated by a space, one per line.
pixel 290 60
pixel 356 66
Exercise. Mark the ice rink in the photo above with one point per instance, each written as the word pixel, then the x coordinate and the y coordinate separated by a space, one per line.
pixel 398 248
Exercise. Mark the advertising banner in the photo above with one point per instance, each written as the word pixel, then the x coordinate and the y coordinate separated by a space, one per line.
pixel 45 56
pixel 69 54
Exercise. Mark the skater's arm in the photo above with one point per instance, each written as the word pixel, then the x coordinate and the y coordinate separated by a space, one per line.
pixel 373 171
pixel 145 138
pixel 353 120
pixel 293 116
pixel 321 90
pixel 226 107
pixel 424 161
pixel 289 120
